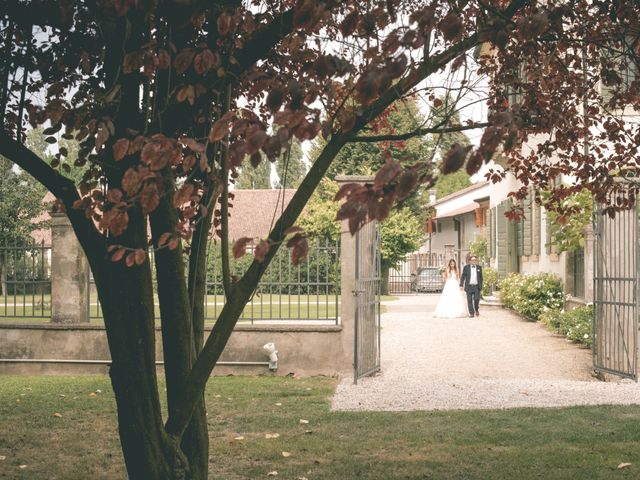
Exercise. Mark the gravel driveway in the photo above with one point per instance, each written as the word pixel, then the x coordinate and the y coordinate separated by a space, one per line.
pixel 494 361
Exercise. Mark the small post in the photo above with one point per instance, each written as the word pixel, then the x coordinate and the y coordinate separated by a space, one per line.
pixel 588 263
pixel 69 274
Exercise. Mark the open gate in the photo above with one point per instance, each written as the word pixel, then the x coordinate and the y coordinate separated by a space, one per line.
pixel 367 292
pixel 615 346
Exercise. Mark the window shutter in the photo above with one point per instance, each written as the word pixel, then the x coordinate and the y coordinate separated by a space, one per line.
pixel 490 236
pixel 527 223
pixel 547 243
pixel 502 253
pixel 537 228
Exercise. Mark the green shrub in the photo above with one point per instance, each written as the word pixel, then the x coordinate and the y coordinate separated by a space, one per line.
pixel 575 324
pixel 531 295
pixel 489 279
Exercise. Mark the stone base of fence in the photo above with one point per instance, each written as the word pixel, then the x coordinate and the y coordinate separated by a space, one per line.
pixel 306 350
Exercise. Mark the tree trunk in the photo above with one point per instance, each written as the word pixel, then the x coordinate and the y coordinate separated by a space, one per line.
pixel 149 453
pixel 384 284
pixel 126 296
pixel 3 277
pixel 177 337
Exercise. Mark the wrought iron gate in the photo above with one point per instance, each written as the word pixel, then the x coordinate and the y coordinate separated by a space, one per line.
pixel 367 315
pixel 615 287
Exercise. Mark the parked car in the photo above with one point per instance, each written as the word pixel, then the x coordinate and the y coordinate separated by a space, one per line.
pixel 427 279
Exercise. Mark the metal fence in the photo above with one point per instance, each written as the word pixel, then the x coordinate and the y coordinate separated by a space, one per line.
pixel 401 277
pixel 287 293
pixel 25 279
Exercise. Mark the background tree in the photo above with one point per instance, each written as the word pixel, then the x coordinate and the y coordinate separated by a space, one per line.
pixel 250 178
pixel 169 99
pixel 291 167
pixel 446 113
pixel 451 183
pixel 20 206
pixel 400 233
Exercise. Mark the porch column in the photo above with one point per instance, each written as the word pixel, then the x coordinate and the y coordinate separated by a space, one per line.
pixel 588 263
pixel 69 274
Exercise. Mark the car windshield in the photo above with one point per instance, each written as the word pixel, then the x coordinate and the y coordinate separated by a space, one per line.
pixel 429 273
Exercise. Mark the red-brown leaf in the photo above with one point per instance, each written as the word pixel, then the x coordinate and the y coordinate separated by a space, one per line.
pixel 451 26
pixel 120 149
pixel 183 195
pixel 150 197
pixel 454 159
pixel 164 238
pixel 114 195
pixel 117 256
pixel 131 259
pixel 219 130
pixel 203 62
pixel 140 256
pixel 261 250
pixel 387 173
pixel 183 60
pixel 349 24
pixel 240 246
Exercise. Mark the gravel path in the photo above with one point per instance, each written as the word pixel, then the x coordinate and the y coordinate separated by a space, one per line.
pixel 494 361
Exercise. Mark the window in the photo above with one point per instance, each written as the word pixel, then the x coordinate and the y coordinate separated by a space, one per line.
pixel 624 70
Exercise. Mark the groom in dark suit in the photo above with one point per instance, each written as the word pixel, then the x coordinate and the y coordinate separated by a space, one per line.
pixel 471 282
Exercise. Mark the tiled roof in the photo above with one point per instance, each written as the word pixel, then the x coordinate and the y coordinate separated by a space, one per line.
pixel 253 211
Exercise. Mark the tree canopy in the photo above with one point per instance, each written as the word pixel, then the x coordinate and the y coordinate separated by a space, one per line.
pixel 170 99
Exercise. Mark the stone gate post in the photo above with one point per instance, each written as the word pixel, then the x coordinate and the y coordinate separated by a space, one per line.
pixel 348 279
pixel 69 274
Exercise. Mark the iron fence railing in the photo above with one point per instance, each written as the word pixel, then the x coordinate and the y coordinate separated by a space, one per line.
pixel 25 279
pixel 287 293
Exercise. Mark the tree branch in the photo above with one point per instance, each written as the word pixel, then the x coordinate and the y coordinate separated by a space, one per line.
pixel 37 12
pixel 263 42
pixel 219 336
pixel 93 243
pixel 417 132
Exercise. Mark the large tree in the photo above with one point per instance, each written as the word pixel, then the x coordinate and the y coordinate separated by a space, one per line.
pixel 168 99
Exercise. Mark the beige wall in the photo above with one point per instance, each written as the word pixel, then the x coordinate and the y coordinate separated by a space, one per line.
pixel 304 350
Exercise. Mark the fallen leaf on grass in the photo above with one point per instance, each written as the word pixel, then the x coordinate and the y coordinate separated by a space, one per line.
pixel 625 465
pixel 286 454
pixel 272 435
pixel 57 415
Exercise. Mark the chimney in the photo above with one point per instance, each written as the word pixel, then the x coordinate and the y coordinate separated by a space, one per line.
pixel 432 196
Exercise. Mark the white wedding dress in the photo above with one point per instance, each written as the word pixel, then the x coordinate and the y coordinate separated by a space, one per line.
pixel 453 302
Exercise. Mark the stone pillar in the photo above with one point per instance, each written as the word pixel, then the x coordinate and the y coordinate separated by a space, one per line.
pixel 348 283
pixel 589 252
pixel 69 274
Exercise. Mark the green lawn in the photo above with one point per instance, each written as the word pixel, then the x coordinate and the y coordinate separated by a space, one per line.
pixel 568 443
pixel 278 307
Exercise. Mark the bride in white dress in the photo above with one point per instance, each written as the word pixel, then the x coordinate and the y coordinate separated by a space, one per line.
pixel 452 303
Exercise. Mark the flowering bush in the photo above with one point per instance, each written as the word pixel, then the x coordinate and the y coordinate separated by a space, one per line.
pixel 575 324
pixel 489 279
pixel 531 295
